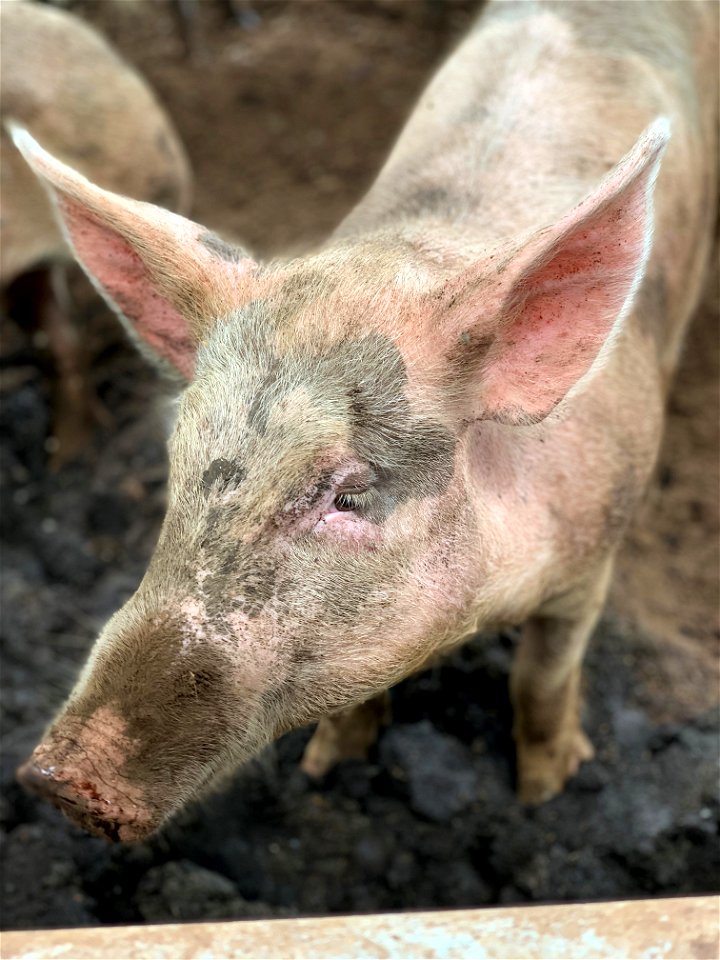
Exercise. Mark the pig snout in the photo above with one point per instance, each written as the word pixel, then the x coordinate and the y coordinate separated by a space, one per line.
pixel 82 801
pixel 79 775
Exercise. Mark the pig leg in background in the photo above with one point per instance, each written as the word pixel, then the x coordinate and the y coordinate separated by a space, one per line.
pixel 76 409
pixel 545 689
pixel 347 734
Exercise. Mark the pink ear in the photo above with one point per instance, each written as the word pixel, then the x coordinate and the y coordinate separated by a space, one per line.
pixel 166 277
pixel 537 319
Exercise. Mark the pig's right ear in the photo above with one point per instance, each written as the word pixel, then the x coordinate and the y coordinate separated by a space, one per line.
pixel 165 276
pixel 530 321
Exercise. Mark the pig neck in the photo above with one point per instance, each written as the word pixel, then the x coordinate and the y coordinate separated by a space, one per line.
pixel 474 167
pixel 498 144
pixel 535 107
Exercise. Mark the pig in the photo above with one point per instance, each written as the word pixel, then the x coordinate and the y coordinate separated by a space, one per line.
pixel 61 78
pixel 64 81
pixel 437 422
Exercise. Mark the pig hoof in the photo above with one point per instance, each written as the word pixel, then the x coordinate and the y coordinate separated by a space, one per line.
pixel 544 768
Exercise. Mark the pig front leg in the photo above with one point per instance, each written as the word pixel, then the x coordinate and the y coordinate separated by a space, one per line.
pixel 545 689
pixel 74 405
pixel 344 735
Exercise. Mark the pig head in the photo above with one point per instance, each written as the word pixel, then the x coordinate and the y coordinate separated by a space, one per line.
pixel 328 528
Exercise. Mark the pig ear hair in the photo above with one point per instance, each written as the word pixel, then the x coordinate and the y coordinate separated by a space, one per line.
pixel 165 276
pixel 541 314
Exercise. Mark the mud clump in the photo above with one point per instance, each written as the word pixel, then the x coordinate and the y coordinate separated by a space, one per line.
pixel 441 780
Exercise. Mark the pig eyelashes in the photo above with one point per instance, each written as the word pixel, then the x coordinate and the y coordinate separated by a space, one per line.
pixel 349 502
pixel 354 492
pixel 347 490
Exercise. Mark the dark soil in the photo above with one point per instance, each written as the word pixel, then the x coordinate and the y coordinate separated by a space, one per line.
pixel 286 119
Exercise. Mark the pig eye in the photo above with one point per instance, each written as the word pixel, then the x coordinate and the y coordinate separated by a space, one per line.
pixel 344 502
pixel 349 500
pixel 355 491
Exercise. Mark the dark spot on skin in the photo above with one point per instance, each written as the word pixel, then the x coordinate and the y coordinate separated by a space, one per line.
pixel 428 199
pixel 475 114
pixel 213 523
pixel 357 408
pixel 412 454
pixel 300 654
pixel 300 289
pixel 164 145
pixel 263 401
pixel 320 488
pixel 223 475
pixel 255 576
pixel 199 683
pixel 203 679
pixel 248 568
pixel 221 248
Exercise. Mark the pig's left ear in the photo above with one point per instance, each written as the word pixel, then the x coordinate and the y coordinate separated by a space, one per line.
pixel 529 324
pixel 165 276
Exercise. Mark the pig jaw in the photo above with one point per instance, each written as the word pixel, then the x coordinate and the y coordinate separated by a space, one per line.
pixel 77 770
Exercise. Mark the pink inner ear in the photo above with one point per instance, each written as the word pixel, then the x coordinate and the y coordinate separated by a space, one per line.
pixel 124 281
pixel 562 309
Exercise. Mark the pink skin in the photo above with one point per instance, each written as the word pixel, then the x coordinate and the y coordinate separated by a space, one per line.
pixel 128 284
pixel 120 272
pixel 325 520
pixel 344 526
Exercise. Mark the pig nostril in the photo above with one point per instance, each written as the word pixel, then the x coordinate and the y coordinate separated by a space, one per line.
pixel 35 778
pixel 81 801
pixel 43 780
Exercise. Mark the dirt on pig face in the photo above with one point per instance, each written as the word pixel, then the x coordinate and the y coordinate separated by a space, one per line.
pixel 431 819
pixel 286 608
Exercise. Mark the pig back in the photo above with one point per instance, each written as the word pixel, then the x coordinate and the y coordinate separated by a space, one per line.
pixel 538 103
pixel 65 83
pixel 666 57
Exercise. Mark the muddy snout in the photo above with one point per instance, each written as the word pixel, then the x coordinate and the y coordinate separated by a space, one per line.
pixel 84 784
pixel 80 802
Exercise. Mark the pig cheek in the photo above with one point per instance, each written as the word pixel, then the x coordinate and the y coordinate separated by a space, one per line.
pixel 249 644
pixel 266 668
pixel 259 653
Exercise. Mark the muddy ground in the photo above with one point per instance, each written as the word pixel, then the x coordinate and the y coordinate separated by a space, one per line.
pixel 286 116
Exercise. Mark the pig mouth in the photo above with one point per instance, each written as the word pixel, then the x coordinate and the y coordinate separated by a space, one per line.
pixel 119 820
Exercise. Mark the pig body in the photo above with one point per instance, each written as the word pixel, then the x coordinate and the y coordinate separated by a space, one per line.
pixel 534 109
pixel 437 423
pixel 63 81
